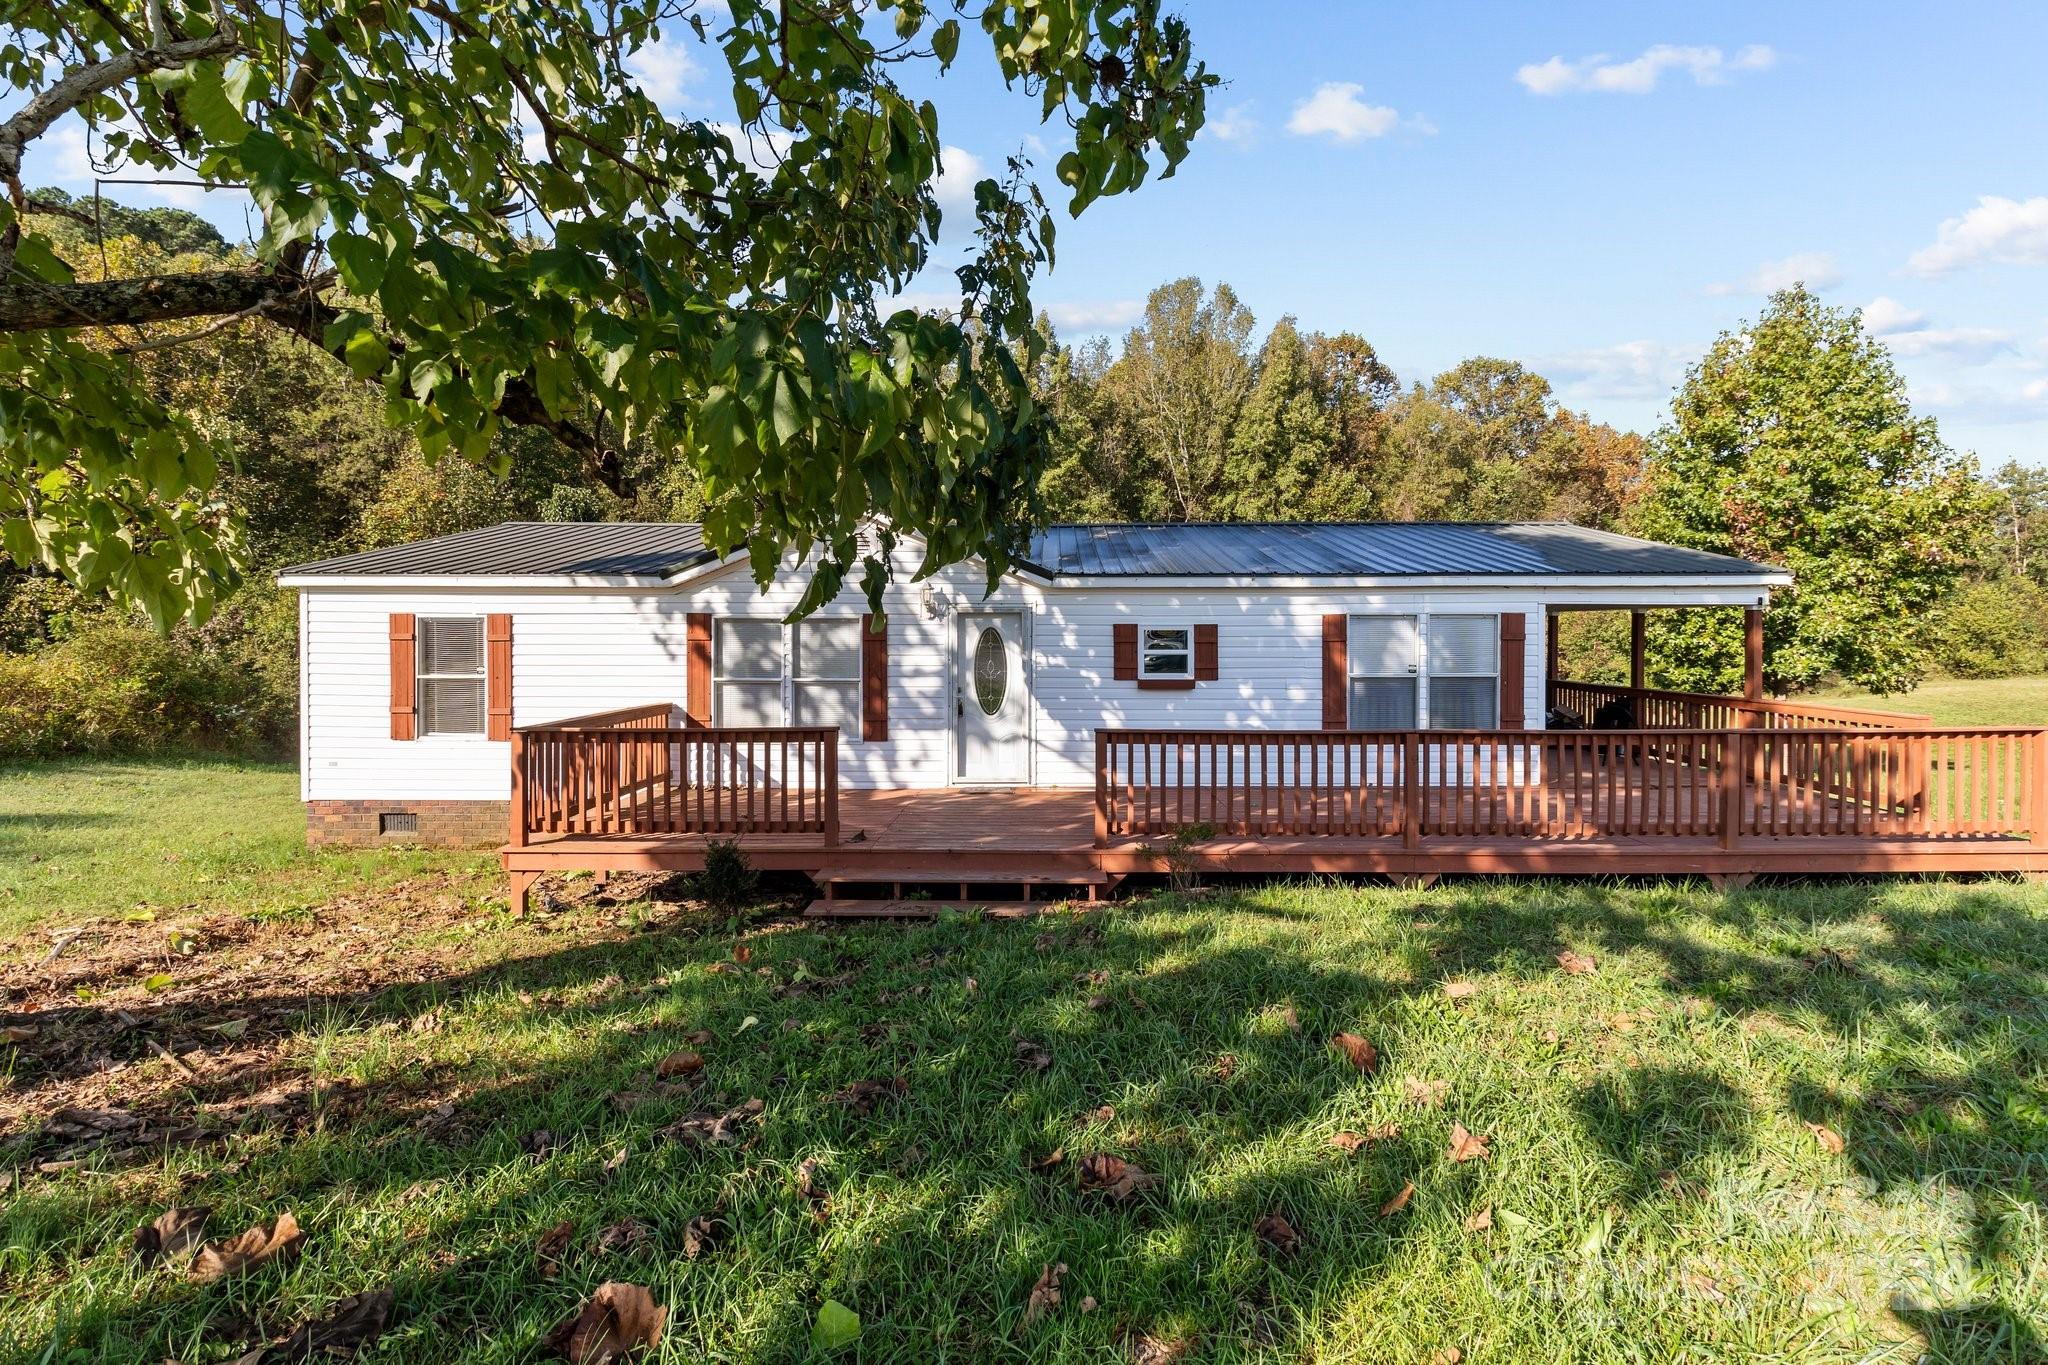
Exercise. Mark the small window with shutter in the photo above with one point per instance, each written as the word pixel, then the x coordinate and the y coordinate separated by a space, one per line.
pixel 1382 657
pixel 1464 672
pixel 451 675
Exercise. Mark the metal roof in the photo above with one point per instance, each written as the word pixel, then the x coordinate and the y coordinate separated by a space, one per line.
pixel 1376 549
pixel 1380 549
pixel 610 549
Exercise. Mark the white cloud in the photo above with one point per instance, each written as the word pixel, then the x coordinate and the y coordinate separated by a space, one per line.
pixel 1975 403
pixel 1336 110
pixel 1105 315
pixel 959 169
pixel 1882 316
pixel 921 301
pixel 1814 269
pixel 2000 230
pixel 58 157
pixel 663 68
pixel 1631 369
pixel 1234 124
pixel 1964 343
pixel 1599 74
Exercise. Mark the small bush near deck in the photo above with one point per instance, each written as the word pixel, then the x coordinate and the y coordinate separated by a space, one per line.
pixel 728 881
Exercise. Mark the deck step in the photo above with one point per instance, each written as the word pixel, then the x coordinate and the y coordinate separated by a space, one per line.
pixel 953 876
pixel 919 909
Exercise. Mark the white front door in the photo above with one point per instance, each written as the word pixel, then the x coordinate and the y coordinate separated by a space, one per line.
pixel 989 697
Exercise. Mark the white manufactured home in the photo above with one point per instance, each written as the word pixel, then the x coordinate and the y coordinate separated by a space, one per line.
pixel 476 688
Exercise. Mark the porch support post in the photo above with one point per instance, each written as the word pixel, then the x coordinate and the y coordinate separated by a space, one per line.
pixel 1552 660
pixel 1753 654
pixel 1637 633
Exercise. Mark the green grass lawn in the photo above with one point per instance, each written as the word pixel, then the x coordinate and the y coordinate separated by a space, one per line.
pixel 1961 701
pixel 1658 1179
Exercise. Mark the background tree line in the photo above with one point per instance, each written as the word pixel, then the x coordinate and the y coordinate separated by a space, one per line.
pixel 1791 441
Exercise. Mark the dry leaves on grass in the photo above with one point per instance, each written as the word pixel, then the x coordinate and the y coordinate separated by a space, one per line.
pixel 1576 964
pixel 620 1236
pixel 18 1033
pixel 1349 1141
pixel 1460 991
pixel 1050 1160
pixel 1147 1349
pixel 1045 1293
pixel 281 1242
pixel 862 1096
pixel 1830 1141
pixel 1399 1201
pixel 538 1143
pixel 811 1186
pixel 1480 1221
pixel 1277 1233
pixel 1031 1056
pixel 354 1323
pixel 549 1250
pixel 620 1321
pixel 1467 1145
pixel 174 1230
pixel 682 1062
pixel 1425 1094
pixel 1114 1177
pixel 700 1235
pixel 711 1129
pixel 1360 1052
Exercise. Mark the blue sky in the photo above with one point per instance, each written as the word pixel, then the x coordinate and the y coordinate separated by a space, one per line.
pixel 1595 190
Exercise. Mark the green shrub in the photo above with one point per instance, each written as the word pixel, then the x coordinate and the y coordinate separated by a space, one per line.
pixel 728 881
pixel 120 688
pixel 1995 629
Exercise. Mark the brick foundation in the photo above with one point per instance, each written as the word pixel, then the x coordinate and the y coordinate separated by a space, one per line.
pixel 437 824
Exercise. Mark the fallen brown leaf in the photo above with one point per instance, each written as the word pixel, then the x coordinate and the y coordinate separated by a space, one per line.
pixel 1057 1155
pixel 1226 1066
pixel 619 1236
pixel 1113 1176
pixel 618 1159
pixel 1830 1141
pixel 280 1242
pixel 1449 1355
pixel 174 1230
pixel 681 1062
pixel 1277 1233
pixel 354 1323
pixel 1088 1303
pixel 1289 1020
pixel 743 952
pixel 620 1321
pixel 538 1143
pixel 1399 1201
pixel 700 1234
pixel 1425 1094
pixel 18 1033
pixel 547 1252
pixel 1460 990
pixel 1480 1221
pixel 1349 1141
pixel 1045 1293
pixel 1032 1056
pixel 1362 1054
pixel 1150 1350
pixel 862 1096
pixel 712 1129
pixel 811 1186
pixel 1467 1145
pixel 1576 964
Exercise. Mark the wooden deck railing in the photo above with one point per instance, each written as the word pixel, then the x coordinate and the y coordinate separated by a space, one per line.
pixel 1721 784
pixel 1656 709
pixel 631 776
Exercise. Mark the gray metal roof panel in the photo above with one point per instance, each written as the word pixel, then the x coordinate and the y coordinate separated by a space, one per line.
pixel 1363 550
pixel 607 549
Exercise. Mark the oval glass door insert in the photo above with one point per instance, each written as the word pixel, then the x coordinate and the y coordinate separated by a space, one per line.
pixel 991 671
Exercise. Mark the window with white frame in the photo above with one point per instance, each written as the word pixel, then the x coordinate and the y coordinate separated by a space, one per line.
pixel 767 673
pixel 1464 672
pixel 450 656
pixel 1166 652
pixel 1383 657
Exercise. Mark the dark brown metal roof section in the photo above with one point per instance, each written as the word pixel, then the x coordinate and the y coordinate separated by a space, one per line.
pixel 605 549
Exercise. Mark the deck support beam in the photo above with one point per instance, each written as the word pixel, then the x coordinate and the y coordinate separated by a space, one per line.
pixel 1638 622
pixel 1752 654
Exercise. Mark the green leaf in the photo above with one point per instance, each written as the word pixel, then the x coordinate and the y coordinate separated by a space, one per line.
pixel 158 981
pixel 366 354
pixel 360 260
pixel 211 109
pixel 786 412
pixel 946 41
pixel 837 1326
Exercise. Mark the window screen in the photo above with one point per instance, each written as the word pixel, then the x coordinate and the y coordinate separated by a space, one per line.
pixel 825 688
pixel 1383 653
pixel 451 675
pixel 1464 672
pixel 749 665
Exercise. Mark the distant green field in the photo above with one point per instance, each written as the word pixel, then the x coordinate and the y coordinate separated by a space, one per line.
pixel 1961 701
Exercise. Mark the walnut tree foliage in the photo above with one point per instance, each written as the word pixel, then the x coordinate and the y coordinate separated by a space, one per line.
pixel 1792 443
pixel 474 205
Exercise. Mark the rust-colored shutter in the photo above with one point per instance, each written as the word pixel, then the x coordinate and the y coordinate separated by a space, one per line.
pixel 1205 654
pixel 874 677
pixel 1336 645
pixel 1513 636
pixel 1125 657
pixel 697 669
pixel 497 676
pixel 404 660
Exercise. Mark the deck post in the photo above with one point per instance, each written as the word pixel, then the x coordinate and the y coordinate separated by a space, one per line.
pixel 1101 789
pixel 1638 633
pixel 1752 654
pixel 1553 660
pixel 2037 787
pixel 830 792
pixel 1731 771
pixel 1411 790
pixel 518 803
